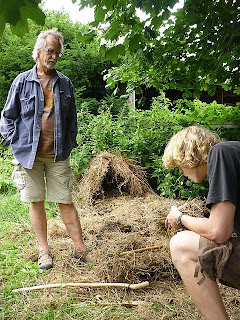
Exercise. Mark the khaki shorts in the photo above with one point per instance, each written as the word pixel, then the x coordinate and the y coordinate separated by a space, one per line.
pixel 220 261
pixel 46 177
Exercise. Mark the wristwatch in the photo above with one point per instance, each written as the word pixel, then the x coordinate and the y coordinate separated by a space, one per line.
pixel 179 221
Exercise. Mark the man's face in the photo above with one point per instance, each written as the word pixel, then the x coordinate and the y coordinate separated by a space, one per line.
pixel 195 174
pixel 48 57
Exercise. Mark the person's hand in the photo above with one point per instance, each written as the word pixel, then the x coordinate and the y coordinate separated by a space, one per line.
pixel 172 217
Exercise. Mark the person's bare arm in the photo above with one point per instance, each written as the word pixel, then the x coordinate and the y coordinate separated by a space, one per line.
pixel 218 227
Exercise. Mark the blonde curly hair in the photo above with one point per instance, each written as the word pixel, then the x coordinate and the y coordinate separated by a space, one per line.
pixel 189 147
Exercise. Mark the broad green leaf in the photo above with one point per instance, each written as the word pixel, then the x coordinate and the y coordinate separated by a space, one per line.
pixel 113 31
pixel 85 37
pixel 102 50
pixel 109 3
pixel 16 13
pixel 20 28
pixel 33 12
pixel 99 14
pixel 157 21
pixel 115 52
pixel 135 42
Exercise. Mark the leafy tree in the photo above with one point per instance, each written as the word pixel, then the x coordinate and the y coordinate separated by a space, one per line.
pixel 82 63
pixel 192 50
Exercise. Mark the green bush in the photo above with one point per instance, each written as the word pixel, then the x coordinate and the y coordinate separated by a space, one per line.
pixel 143 135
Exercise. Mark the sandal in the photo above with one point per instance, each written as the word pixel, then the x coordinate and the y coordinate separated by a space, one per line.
pixel 82 256
pixel 45 260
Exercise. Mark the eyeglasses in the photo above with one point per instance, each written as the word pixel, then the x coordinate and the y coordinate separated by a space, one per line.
pixel 51 52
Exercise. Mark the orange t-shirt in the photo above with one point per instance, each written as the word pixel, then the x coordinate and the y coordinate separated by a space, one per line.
pixel 46 141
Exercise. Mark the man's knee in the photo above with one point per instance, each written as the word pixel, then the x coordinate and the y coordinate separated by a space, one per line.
pixel 37 205
pixel 66 207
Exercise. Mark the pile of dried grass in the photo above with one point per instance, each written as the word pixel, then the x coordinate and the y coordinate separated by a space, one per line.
pixel 115 225
pixel 108 172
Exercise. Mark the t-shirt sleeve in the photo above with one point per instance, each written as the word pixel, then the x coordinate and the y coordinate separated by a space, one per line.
pixel 222 175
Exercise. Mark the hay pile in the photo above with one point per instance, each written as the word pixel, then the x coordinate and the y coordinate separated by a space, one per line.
pixel 114 226
pixel 110 172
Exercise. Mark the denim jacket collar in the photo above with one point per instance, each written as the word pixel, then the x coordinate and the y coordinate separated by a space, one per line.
pixel 33 74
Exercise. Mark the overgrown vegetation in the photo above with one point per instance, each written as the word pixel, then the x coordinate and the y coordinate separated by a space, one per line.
pixel 142 135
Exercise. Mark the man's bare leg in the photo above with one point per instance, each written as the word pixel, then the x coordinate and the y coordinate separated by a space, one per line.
pixel 71 220
pixel 39 223
pixel 184 250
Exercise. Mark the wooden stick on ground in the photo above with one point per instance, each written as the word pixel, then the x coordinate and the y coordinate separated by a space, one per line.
pixel 139 250
pixel 88 285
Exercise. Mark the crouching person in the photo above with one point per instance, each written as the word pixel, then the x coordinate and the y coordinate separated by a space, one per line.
pixel 206 249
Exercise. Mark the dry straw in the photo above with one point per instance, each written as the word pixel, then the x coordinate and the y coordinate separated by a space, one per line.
pixel 112 225
pixel 110 171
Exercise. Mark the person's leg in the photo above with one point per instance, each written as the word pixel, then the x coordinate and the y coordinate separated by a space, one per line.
pixel 39 224
pixel 71 220
pixel 184 251
pixel 59 189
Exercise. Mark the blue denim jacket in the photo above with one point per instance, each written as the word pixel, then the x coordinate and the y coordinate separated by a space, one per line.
pixel 20 123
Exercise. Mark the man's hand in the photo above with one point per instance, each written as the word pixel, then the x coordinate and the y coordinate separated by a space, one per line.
pixel 172 217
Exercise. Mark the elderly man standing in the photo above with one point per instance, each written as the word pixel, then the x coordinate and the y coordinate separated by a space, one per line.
pixel 39 123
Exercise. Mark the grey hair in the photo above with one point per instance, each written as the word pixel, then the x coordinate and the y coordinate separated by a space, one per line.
pixel 41 41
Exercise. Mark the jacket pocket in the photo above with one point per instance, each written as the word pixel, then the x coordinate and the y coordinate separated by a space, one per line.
pixel 27 106
pixel 65 99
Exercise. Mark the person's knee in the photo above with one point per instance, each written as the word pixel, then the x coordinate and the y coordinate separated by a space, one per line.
pixel 176 247
pixel 182 247
pixel 38 206
pixel 68 213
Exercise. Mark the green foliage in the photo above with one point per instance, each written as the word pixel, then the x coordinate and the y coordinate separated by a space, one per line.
pixel 17 13
pixel 172 184
pixel 224 120
pixel 192 49
pixel 6 184
pixel 143 135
